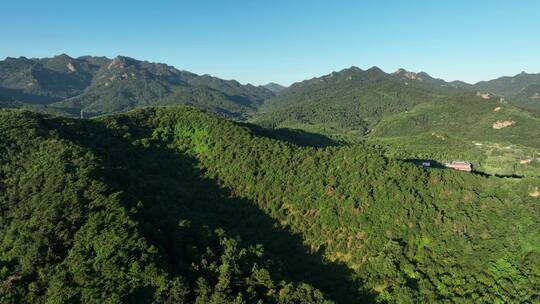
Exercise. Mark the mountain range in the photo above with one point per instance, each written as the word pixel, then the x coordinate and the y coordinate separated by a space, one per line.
pixel 99 85
pixel 493 124
pixel 378 93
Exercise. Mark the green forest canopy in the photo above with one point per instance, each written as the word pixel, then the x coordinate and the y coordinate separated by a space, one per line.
pixel 172 204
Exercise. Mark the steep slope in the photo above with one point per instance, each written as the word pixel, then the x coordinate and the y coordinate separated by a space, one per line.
pixel 197 194
pixel 87 215
pixel 99 85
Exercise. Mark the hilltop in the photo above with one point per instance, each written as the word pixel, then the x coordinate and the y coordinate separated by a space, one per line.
pixel 274 87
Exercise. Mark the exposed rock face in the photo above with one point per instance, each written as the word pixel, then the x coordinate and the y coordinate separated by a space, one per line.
pixel 535 192
pixel 500 124
pixel 483 95
pixel 408 75
pixel 525 161
pixel 117 62
pixel 71 67
pixel 535 96
pixel 497 109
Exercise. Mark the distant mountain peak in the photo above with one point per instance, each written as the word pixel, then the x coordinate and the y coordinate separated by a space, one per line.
pixel 354 68
pixel 121 62
pixel 274 87
pixel 374 72
pixel 63 56
pixel 62 63
pixel 348 74
pixel 21 58
pixel 374 69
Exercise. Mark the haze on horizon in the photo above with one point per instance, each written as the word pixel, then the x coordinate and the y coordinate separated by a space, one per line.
pixel 259 42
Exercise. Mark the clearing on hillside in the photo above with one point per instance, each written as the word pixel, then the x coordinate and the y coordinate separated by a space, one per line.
pixel 500 124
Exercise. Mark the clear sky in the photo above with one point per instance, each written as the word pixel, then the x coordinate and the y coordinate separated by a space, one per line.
pixel 260 41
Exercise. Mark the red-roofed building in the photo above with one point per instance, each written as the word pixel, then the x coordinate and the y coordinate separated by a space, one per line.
pixel 460 165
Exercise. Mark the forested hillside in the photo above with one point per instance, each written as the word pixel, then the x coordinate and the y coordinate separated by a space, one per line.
pixel 418 117
pixel 528 97
pixel 90 214
pixel 172 204
pixel 509 85
pixel 522 89
pixel 350 102
pixel 497 136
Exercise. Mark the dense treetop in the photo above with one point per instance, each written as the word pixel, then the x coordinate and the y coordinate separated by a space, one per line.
pixel 172 204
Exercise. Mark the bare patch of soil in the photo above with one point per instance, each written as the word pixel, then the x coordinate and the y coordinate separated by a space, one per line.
pixel 500 124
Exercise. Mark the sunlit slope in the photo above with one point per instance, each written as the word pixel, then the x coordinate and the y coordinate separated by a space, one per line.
pixel 475 129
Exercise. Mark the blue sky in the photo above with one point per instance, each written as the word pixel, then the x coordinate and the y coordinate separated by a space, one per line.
pixel 285 41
